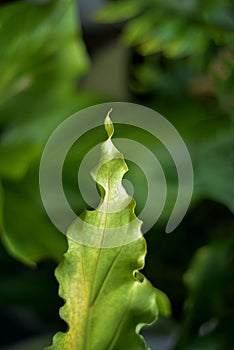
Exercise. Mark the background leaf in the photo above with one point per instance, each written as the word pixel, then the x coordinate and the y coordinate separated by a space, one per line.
pixel 37 91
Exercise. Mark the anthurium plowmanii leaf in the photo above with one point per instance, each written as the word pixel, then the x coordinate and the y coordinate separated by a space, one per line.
pixel 107 299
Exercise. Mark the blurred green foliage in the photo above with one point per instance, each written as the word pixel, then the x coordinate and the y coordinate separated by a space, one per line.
pixel 42 56
pixel 210 307
pixel 175 27
pixel 183 66
pixel 181 63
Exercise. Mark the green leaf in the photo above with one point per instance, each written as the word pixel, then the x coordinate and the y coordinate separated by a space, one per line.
pixel 215 169
pixel 42 56
pixel 163 303
pixel 208 317
pixel 26 153
pixel 28 234
pixel 1 206
pixel 46 40
pixel 119 11
pixel 107 299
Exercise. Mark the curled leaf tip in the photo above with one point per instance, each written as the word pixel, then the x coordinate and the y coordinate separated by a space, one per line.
pixel 109 125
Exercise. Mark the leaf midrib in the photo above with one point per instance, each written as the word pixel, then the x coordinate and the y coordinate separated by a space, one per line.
pixel 97 263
